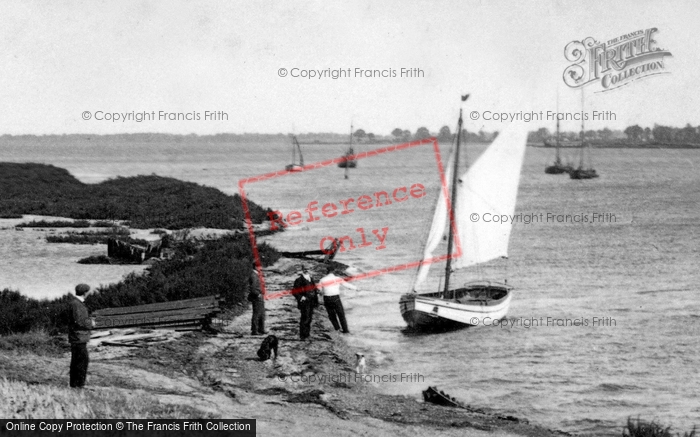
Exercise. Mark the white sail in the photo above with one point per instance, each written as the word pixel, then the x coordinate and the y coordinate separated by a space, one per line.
pixel 438 226
pixel 488 190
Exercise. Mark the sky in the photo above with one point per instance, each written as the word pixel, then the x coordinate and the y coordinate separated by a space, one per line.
pixel 63 58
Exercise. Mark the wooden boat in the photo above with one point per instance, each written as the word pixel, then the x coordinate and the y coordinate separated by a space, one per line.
pixel 439 397
pixel 581 173
pixel 348 162
pixel 489 187
pixel 294 166
pixel 473 304
pixel 327 254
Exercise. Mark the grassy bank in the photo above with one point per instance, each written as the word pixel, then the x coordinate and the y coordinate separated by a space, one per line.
pixel 23 401
pixel 144 201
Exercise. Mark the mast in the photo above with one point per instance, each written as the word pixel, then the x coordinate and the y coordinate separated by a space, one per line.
pixel 294 151
pixel 558 157
pixel 582 131
pixel 301 157
pixel 347 164
pixel 453 199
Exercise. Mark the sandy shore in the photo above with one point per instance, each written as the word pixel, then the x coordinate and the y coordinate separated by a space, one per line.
pixel 221 376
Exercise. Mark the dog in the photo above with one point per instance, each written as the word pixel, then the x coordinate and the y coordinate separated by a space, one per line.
pixel 268 346
pixel 360 364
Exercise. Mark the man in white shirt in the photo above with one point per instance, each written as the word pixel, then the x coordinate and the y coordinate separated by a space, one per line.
pixel 330 289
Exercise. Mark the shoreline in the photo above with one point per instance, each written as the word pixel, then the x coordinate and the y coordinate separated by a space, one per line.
pixel 221 376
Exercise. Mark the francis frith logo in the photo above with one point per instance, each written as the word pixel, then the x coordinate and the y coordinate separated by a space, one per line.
pixel 616 62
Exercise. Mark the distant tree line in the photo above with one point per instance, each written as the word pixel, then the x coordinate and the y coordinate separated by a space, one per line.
pixel 543 134
pixel 632 134
pixel 444 134
pixel 664 134
pixel 635 133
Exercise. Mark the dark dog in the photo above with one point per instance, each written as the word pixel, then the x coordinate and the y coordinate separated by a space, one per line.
pixel 268 346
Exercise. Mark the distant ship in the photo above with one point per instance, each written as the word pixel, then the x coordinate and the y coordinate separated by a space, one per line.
pixel 581 172
pixel 294 166
pixel 558 167
pixel 349 161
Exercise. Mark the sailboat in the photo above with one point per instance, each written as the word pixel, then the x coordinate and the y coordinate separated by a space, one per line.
pixel 348 162
pixel 489 186
pixel 558 167
pixel 294 166
pixel 581 172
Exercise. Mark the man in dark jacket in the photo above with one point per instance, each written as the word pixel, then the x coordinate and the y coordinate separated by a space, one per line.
pixel 79 328
pixel 255 296
pixel 304 292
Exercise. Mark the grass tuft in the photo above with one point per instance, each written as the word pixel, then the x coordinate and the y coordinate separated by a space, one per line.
pixel 23 401
pixel 37 341
pixel 649 429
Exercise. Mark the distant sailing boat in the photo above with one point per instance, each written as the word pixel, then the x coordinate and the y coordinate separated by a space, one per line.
pixel 294 166
pixel 349 161
pixel 490 186
pixel 557 167
pixel 581 172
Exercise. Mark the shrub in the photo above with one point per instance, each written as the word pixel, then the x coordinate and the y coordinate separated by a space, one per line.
pixel 649 429
pixel 104 224
pixel 97 237
pixel 38 342
pixel 55 224
pixel 19 313
pixel 99 259
pixel 218 267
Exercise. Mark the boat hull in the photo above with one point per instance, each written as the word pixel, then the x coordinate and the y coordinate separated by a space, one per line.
pixel 583 174
pixel 557 169
pixel 293 167
pixel 475 304
pixel 439 397
pixel 348 164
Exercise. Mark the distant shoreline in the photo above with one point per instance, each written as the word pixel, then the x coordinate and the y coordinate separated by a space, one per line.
pixel 622 146
pixel 307 139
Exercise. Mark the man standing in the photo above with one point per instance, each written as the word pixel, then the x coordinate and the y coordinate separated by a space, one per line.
pixel 79 328
pixel 330 288
pixel 305 293
pixel 255 296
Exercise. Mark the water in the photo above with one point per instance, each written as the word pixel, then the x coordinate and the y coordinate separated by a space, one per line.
pixel 636 275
